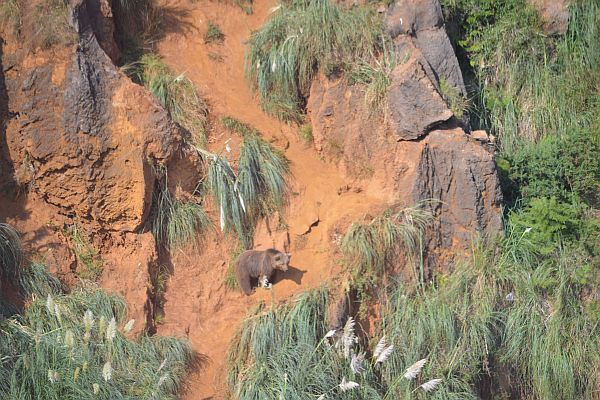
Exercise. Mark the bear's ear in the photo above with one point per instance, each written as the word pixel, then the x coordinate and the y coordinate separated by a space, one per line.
pixel 277 257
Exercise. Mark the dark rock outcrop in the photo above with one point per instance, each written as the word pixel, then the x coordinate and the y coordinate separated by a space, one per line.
pixel 417 27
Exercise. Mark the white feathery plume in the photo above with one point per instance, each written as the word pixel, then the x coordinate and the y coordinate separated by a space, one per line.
pixel 321 397
pixel 53 376
pixel 57 313
pixel 50 304
pixel 69 338
pixel 111 330
pixel 412 371
pixel 162 365
pixel 107 371
pixel 430 385
pixel 96 388
pixel 273 9
pixel 385 354
pixel 101 325
pixel 349 338
pixel 348 385
pixel 161 380
pixel 273 66
pixel 330 333
pixel 356 364
pixel 242 201
pixel 380 346
pixel 222 218
pixel 129 325
pixel 88 320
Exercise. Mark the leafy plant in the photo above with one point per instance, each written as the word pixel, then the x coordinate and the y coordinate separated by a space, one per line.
pixel 456 102
pixel 306 133
pixel 176 223
pixel 87 256
pixel 11 255
pixel 70 346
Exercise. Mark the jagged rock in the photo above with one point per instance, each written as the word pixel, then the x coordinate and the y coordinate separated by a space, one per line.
pixel 89 134
pixel 422 22
pixel 102 22
pixel 413 103
pixel 411 16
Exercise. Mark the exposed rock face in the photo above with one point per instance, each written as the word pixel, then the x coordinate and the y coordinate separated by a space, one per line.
pixel 414 104
pixel 445 165
pixel 415 101
pixel 88 134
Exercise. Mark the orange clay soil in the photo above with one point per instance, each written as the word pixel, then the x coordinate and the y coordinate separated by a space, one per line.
pixel 197 302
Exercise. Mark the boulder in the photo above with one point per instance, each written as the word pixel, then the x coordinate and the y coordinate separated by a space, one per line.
pixel 414 105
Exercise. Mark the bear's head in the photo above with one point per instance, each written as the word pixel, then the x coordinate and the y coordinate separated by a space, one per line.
pixel 281 261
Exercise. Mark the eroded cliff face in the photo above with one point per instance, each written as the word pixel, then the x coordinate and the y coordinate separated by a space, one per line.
pixel 83 140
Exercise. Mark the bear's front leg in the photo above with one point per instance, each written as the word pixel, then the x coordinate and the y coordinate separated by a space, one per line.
pixel 263 282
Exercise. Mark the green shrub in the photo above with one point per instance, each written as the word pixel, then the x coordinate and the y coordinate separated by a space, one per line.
pixel 259 187
pixel 306 133
pixel 214 34
pixel 549 223
pixel 87 255
pixel 177 223
pixel 369 247
pixel 52 25
pixel 304 37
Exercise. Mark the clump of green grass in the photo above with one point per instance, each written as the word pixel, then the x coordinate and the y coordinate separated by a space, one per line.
pixel 376 75
pixel 87 255
pixel 52 25
pixel 11 254
pixel 176 93
pixel 214 34
pixel 302 38
pixel 10 15
pixel 176 223
pixel 259 187
pixel 369 247
pixel 456 102
pixel 71 346
pixel 306 133
pixel 245 5
pixel 36 281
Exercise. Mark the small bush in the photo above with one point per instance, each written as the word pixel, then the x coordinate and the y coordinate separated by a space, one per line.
pixel 87 256
pixel 304 37
pixel 306 133
pixel 176 223
pixel 259 187
pixel 214 34
pixel 10 15
pixel 456 102
pixel 369 247
pixel 176 93
pixel 52 25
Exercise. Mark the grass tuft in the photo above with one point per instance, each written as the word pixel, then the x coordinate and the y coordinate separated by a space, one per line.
pixel 11 253
pixel 302 38
pixel 176 93
pixel 10 15
pixel 52 26
pixel 214 34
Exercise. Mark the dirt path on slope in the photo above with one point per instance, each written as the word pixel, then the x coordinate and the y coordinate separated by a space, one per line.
pixel 198 303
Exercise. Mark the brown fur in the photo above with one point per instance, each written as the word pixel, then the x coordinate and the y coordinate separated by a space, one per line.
pixel 256 263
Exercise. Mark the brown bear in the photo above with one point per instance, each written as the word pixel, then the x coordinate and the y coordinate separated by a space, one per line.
pixel 259 264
